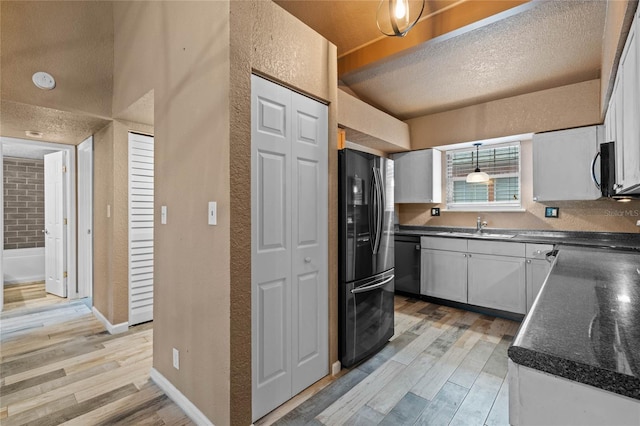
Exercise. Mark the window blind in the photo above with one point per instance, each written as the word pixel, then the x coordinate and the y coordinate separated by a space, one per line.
pixel 500 162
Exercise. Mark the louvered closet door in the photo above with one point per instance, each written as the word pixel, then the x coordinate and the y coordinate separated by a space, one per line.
pixel 140 228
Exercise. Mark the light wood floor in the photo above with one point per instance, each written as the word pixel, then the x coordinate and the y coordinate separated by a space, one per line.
pixel 443 366
pixel 59 366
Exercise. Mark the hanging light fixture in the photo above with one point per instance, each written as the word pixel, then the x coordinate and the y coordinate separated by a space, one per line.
pixel 477 176
pixel 396 17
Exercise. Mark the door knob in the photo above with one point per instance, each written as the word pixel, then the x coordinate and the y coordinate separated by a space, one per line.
pixel 307 260
pixel 46 232
pixel 88 231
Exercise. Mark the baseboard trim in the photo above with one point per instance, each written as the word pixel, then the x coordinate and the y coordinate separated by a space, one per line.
pixel 111 328
pixel 181 401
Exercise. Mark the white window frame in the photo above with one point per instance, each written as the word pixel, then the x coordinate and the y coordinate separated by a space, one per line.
pixel 503 206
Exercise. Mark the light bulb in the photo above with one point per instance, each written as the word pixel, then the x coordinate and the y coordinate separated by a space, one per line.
pixel 401 8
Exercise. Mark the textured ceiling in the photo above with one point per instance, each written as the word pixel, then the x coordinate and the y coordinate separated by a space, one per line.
pixel 552 44
pixel 73 41
pixel 55 125
pixel 547 44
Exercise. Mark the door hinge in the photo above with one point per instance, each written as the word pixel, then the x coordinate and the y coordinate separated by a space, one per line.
pixel 64 169
pixel 65 220
pixel 65 275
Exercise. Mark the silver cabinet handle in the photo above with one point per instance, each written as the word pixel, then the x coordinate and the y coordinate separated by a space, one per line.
pixel 465 255
pixel 417 246
pixel 307 260
pixel 529 261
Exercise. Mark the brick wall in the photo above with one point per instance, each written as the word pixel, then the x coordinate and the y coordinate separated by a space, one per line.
pixel 23 203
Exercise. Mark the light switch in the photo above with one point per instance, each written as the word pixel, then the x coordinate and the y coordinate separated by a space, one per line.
pixel 108 210
pixel 213 213
pixel 163 215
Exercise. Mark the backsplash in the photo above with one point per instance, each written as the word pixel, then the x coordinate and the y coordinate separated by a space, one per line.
pixel 23 203
pixel 597 216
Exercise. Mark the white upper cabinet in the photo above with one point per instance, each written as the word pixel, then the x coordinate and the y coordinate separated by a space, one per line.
pixel 418 176
pixel 621 121
pixel 562 164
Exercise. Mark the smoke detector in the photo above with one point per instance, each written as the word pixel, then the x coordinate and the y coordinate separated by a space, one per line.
pixel 43 80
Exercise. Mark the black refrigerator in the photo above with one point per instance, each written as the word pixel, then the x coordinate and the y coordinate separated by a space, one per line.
pixel 366 257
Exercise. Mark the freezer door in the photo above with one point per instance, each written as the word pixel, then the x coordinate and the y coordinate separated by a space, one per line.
pixel 366 317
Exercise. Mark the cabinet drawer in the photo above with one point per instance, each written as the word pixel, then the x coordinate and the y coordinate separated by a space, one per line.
pixel 500 248
pixel 538 251
pixel 449 244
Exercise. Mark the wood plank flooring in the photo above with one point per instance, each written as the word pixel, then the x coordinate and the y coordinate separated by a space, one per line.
pixel 58 365
pixel 443 366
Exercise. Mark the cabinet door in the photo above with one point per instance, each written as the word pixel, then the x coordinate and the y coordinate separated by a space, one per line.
pixel 497 282
pixel 630 113
pixel 444 275
pixel 418 176
pixel 561 163
pixel 537 271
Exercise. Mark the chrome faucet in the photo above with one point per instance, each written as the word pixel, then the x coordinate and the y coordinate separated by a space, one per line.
pixel 480 225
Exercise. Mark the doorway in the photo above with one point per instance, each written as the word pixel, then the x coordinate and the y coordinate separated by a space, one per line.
pixel 24 236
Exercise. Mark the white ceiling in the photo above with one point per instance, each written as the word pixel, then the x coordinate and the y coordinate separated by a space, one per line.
pixel 19 150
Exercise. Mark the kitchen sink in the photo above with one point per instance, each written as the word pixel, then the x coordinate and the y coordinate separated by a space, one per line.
pixel 477 235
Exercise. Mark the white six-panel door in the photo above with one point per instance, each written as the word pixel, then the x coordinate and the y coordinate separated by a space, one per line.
pixel 140 228
pixel 54 218
pixel 289 244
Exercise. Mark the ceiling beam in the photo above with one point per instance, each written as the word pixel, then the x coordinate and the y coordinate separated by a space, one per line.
pixel 443 21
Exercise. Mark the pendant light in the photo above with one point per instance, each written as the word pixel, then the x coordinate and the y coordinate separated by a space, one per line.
pixel 477 176
pixel 395 17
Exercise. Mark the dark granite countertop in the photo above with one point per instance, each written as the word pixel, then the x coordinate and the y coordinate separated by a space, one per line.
pixel 585 324
pixel 610 240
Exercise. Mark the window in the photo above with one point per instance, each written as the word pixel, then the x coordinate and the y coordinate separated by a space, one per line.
pixel 500 162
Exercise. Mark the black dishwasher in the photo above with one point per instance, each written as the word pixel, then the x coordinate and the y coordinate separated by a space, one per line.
pixel 407 268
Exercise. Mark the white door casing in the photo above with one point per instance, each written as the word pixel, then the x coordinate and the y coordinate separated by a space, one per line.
pixel 54 218
pixel 288 244
pixel 85 218
pixel 140 228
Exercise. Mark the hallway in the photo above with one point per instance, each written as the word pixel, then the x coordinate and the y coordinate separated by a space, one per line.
pixel 59 365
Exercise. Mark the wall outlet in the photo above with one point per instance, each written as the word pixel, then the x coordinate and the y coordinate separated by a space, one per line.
pixel 435 211
pixel 638 223
pixel 176 359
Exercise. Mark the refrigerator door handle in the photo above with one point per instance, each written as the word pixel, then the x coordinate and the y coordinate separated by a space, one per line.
pixel 373 199
pixel 381 206
pixel 376 208
pixel 372 286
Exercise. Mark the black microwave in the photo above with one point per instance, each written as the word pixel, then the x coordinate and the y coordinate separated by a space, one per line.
pixel 607 169
pixel 607 185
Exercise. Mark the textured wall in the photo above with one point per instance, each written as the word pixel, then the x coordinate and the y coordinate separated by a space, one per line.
pixel 558 108
pixel 180 50
pixel 23 203
pixel 285 50
pixel 599 215
pixel 103 225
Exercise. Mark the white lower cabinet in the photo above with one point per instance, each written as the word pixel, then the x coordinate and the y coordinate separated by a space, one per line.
pixel 490 274
pixel 444 274
pixel 497 282
pixel 537 270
